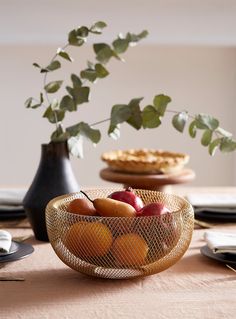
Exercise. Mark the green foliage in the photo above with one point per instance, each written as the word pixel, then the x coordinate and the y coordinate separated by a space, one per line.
pixel 64 55
pixel 160 103
pixel 135 118
pixel 150 117
pixel 53 87
pixel 206 137
pixel 78 92
pixel 192 129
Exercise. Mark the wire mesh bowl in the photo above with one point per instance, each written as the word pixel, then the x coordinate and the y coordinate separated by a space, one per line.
pixel 120 247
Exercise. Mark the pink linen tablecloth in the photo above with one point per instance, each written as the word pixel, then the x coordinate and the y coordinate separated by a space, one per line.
pixel 195 287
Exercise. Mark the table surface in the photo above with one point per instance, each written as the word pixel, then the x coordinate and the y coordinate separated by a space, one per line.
pixel 195 287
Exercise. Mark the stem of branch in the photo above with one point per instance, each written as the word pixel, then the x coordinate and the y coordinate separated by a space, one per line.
pixel 44 84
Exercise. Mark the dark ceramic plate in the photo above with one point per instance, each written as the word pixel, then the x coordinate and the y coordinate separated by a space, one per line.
pixel 218 217
pixel 13 249
pixel 23 251
pixel 224 258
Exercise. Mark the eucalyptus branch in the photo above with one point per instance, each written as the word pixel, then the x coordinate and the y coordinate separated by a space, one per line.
pixel 46 73
pixel 100 122
pixel 150 117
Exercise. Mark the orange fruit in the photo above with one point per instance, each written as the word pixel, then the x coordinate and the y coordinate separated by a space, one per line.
pixel 73 237
pixel 130 250
pixel 81 206
pixel 86 240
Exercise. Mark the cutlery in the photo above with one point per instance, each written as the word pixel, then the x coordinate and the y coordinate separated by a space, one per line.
pixel 202 224
pixel 234 270
pixel 11 278
pixel 20 239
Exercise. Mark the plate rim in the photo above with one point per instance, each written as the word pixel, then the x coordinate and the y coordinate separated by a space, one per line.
pixel 13 249
pixel 24 250
pixel 207 252
pixel 217 217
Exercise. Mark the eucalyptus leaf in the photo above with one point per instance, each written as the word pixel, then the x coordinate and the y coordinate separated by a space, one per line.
pixel 87 131
pixel 160 103
pixel 67 104
pixel 54 116
pixel 73 130
pixel 28 102
pixel 70 90
pixel 42 70
pixel 192 129
pixel 134 38
pixel 92 134
pixel 150 117
pixel 88 74
pixel 179 121
pixel 54 65
pixel 206 137
pixel 62 53
pixel 53 87
pixel 120 45
pixel 59 138
pixel 135 118
pixel 227 144
pixel 98 27
pixel 81 95
pixel 143 34
pixel 35 106
pixel 119 113
pixel 103 52
pixel 101 71
pixel 59 135
pixel 60 115
pixel 74 39
pixel 75 146
pixel 204 121
pixel 54 104
pixel 37 65
pixel 114 131
pixel 213 146
pixel 77 83
pixel 82 32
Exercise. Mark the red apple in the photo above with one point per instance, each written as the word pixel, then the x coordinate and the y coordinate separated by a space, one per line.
pixel 153 209
pixel 128 196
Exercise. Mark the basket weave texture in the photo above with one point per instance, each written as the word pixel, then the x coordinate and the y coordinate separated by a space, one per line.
pixel 120 247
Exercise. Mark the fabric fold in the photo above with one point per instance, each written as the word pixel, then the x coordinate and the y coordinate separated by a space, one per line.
pixel 220 242
pixel 5 241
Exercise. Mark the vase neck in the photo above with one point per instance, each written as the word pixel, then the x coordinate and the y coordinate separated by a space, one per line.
pixel 55 149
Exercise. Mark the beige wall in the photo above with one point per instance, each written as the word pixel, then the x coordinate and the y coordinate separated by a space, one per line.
pixel 200 79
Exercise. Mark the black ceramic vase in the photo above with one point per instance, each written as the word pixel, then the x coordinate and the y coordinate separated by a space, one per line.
pixel 54 177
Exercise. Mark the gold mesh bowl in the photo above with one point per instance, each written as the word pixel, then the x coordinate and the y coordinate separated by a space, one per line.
pixel 120 247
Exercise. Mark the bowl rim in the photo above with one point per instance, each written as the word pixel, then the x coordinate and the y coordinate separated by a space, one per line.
pixel 57 201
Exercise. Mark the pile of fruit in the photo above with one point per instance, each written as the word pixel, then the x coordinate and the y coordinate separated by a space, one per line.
pixel 148 234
